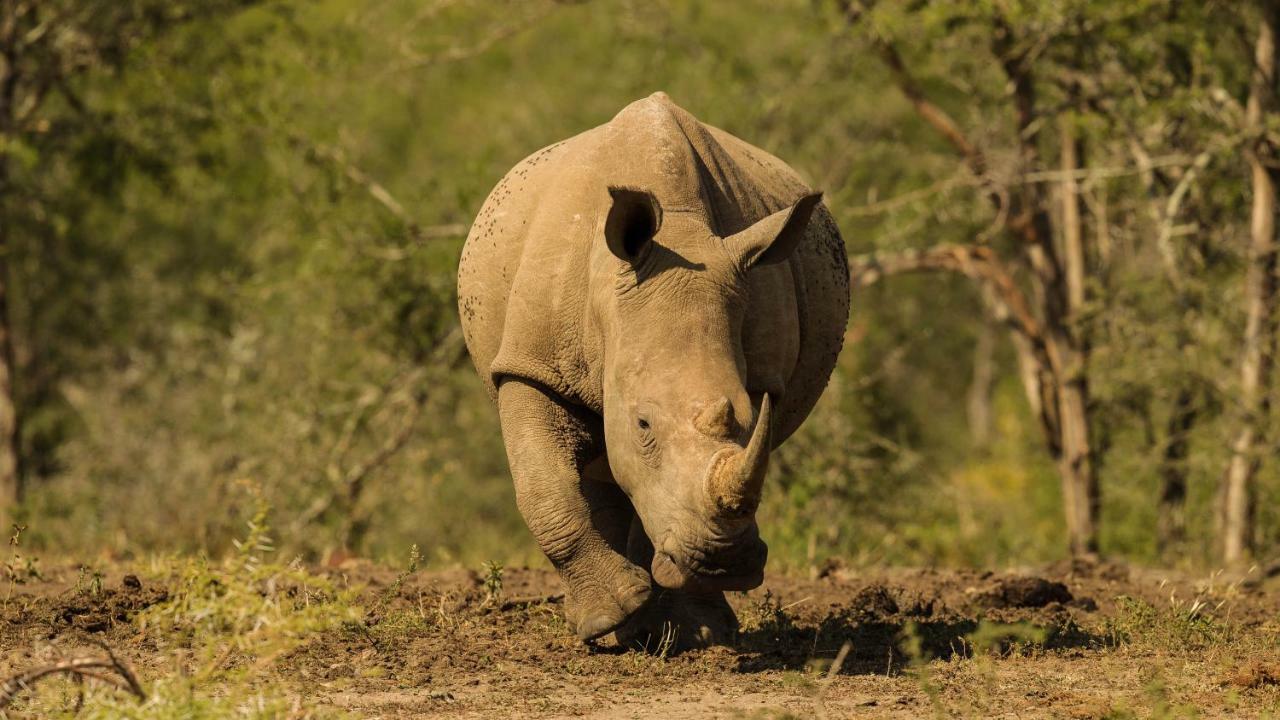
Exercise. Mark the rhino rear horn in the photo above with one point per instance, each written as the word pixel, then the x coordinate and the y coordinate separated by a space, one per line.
pixel 774 238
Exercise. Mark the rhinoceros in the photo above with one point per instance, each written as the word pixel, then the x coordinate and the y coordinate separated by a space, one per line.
pixel 654 305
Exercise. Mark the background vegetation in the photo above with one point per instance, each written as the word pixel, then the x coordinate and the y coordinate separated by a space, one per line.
pixel 230 233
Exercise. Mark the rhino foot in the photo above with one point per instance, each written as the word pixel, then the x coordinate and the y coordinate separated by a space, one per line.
pixel 677 620
pixel 594 611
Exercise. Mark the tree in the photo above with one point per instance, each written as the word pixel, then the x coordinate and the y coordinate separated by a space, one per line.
pixel 46 49
pixel 1238 497
pixel 1050 343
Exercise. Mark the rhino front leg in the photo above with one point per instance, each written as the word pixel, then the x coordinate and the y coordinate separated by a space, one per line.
pixel 580 523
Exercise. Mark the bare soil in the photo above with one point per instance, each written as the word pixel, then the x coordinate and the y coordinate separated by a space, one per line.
pixel 916 643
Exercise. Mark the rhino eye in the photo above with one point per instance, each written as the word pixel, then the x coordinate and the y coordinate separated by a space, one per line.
pixel 643 424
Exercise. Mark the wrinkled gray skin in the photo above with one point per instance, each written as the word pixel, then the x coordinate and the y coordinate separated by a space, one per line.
pixel 655 305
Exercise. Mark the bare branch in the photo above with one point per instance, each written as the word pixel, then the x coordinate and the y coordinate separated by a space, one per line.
pixel 1101 173
pixel 1169 216
pixel 907 198
pixel 337 157
pixel 415 60
pixel 78 668
pixel 975 262
pixel 449 353
pixel 931 113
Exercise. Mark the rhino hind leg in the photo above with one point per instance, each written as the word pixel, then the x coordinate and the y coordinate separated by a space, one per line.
pixel 580 522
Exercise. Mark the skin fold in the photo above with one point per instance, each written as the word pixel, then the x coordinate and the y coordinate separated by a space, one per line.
pixel 654 305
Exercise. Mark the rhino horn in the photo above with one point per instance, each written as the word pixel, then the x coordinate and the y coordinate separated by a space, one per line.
pixel 716 420
pixel 736 477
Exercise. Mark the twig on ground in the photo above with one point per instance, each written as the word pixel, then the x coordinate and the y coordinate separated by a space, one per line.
pixel 79 669
pixel 831 674
pixel 522 602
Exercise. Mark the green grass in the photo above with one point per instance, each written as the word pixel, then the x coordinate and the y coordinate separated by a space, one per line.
pixel 224 626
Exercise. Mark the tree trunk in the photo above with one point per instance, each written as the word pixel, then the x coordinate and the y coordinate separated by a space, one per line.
pixel 979 397
pixel 1171 526
pixel 10 470
pixel 1063 291
pixel 1075 464
pixel 1052 352
pixel 1236 499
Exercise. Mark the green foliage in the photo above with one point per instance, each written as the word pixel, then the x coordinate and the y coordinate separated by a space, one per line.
pixel 235 233
pixel 179 698
pixel 227 624
pixel 492 581
pixel 1000 637
pixel 18 568
pixel 247 606
pixel 766 614
pixel 1155 705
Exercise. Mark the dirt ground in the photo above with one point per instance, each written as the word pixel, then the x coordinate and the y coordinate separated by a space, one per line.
pixel 1071 641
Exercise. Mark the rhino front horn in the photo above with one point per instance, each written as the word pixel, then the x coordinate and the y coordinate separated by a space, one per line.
pixel 736 477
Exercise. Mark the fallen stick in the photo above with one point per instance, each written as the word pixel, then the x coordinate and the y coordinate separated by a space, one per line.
pixel 79 669
pixel 522 602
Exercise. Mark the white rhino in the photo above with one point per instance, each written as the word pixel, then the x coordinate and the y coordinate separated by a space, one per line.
pixel 655 305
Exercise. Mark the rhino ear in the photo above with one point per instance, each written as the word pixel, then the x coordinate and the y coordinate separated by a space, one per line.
pixel 774 238
pixel 634 218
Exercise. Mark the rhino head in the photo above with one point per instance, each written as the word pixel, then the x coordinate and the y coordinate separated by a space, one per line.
pixel 688 441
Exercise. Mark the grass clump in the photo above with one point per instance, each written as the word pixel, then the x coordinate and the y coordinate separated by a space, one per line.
pixel 767 616
pixel 226 625
pixel 184 698
pixel 1177 628
pixel 19 568
pixel 247 606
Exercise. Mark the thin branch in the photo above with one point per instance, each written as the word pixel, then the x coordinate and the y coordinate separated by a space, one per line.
pixel 338 158
pixel 123 668
pixel 1085 174
pixel 975 262
pixel 930 112
pixel 79 668
pixel 1004 300
pixel 415 60
pixel 898 201
pixel 1101 173
pixel 1164 240
pixel 357 420
pixel 449 353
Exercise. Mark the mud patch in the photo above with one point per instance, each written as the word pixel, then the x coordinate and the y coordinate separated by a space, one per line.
pixel 1024 592
pixel 101 611
pixel 875 601
pixel 448 644
pixel 50 608
pixel 1254 675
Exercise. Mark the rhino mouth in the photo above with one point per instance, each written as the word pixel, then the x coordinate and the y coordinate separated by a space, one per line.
pixel 740 568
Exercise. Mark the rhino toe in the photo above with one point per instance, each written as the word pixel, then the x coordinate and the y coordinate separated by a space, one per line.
pixel 597 625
